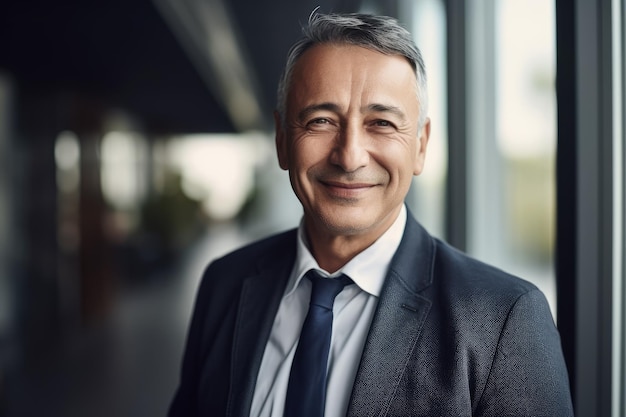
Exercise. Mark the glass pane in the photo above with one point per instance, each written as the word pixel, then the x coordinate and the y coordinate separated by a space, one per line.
pixel 426 21
pixel 526 134
pixel 512 137
pixel 619 215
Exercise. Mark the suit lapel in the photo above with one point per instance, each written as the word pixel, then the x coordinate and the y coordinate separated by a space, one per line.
pixel 260 299
pixel 397 324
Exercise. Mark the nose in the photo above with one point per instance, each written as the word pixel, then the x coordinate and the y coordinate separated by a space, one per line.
pixel 350 151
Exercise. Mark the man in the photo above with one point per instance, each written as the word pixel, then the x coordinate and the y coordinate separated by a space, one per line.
pixel 419 329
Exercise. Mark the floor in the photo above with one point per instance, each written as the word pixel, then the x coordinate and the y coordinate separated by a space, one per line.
pixel 128 365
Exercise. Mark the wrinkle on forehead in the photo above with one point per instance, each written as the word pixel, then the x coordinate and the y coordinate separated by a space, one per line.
pixel 339 77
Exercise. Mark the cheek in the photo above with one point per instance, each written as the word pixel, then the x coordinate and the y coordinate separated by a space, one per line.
pixel 307 153
pixel 398 161
pixel 302 159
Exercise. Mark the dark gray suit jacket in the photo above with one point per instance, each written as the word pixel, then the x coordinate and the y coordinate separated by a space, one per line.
pixel 450 337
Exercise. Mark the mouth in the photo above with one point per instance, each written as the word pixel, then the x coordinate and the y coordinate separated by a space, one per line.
pixel 347 190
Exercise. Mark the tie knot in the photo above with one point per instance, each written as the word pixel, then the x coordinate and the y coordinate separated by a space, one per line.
pixel 324 289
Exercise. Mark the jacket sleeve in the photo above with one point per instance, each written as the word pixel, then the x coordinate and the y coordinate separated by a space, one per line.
pixel 528 376
pixel 185 402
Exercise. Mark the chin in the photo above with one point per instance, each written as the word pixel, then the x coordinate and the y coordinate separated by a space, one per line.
pixel 348 224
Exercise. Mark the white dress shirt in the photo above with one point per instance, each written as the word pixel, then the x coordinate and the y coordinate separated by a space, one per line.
pixel 353 311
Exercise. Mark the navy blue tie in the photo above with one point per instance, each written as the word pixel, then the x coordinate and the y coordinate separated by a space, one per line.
pixel 306 392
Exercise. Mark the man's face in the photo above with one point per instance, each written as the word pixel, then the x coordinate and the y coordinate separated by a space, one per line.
pixel 350 139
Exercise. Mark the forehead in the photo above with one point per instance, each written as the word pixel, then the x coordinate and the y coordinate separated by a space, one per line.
pixel 336 72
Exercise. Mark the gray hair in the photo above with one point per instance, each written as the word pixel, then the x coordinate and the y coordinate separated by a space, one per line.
pixel 378 33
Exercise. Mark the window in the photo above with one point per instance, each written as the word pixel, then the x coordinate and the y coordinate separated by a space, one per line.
pixel 426 21
pixel 511 139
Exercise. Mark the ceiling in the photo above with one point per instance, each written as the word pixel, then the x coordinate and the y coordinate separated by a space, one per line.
pixel 177 66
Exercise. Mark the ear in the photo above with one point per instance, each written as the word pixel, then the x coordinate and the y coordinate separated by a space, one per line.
pixel 281 142
pixel 422 143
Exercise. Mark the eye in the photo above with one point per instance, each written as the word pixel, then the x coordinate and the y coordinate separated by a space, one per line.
pixel 319 121
pixel 383 124
pixel 320 124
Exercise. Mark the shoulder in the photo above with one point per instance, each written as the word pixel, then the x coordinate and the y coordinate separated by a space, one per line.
pixel 464 271
pixel 438 266
pixel 478 293
pixel 223 277
pixel 256 255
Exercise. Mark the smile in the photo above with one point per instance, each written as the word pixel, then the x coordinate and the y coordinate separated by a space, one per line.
pixel 347 190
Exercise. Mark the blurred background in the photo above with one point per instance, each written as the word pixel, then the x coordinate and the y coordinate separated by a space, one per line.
pixel 136 145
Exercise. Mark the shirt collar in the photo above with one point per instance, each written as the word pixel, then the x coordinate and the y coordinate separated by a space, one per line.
pixel 368 269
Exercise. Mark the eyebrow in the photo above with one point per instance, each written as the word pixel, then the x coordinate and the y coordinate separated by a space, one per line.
pixel 305 112
pixel 332 107
pixel 384 108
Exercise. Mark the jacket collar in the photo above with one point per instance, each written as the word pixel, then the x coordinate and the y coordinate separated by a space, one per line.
pixel 397 323
pixel 259 302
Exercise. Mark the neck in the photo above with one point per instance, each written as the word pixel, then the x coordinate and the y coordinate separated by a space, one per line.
pixel 333 251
